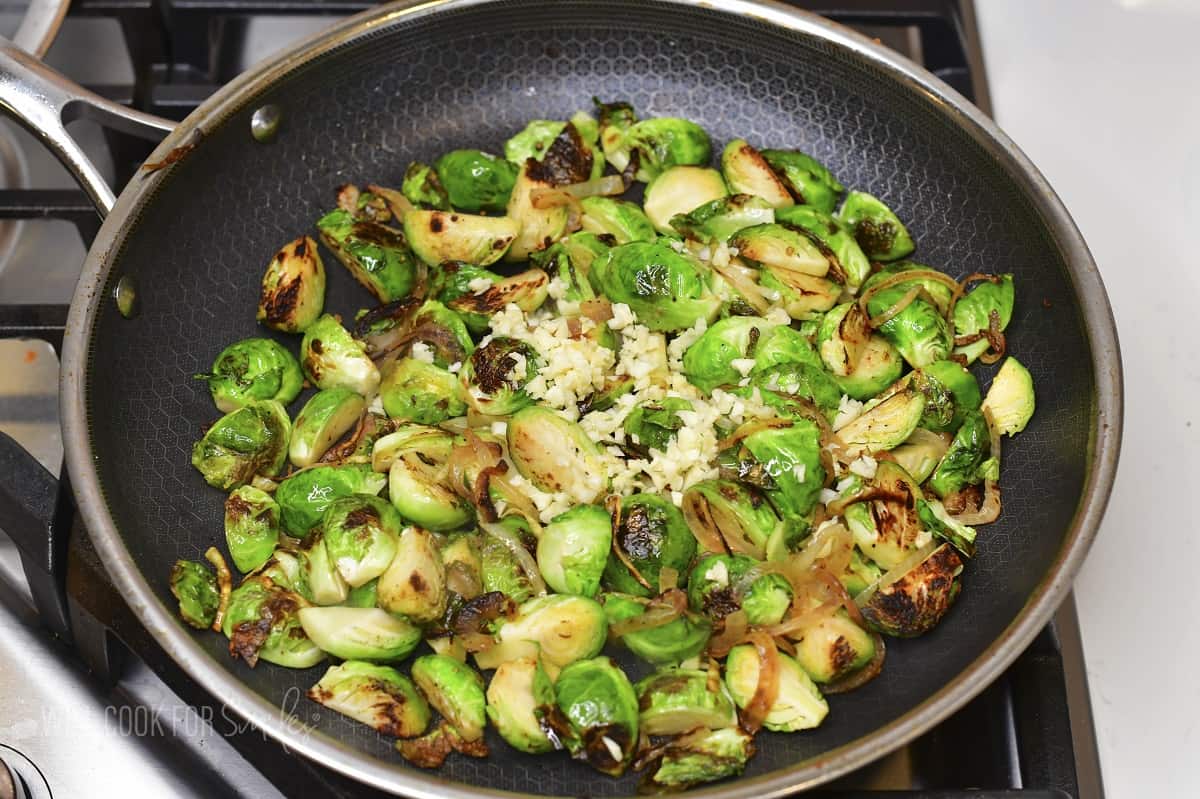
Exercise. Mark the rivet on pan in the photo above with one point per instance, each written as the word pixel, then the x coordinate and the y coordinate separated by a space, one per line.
pixel 125 294
pixel 264 122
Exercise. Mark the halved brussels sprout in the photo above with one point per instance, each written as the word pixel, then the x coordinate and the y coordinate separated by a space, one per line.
pixel 251 527
pixel 252 440
pixel 453 279
pixel 364 596
pixel 842 339
pixel 499 568
pixel 361 535
pixel 702 756
pixel 716 220
pixel 660 143
pixel 261 623
pixel 475 180
pixel 835 236
pixel 747 172
pixel 886 425
pixel 518 697
pixel 563 628
pixel 767 599
pixel 460 555
pixel 325 585
pixel 360 633
pixel 304 497
pixel 556 454
pixel 455 690
pixel 420 392
pixel 377 256
pixel 653 423
pixel 667 644
pixel 422 187
pixel 378 696
pixel 601 711
pixel 1010 399
pixel 921 452
pixel 785 250
pixel 651 536
pixel 398 328
pixel 680 190
pixel 886 528
pixel 908 604
pixel 804 297
pixel 808 180
pixel 935 518
pixel 736 514
pixel 326 417
pixel 919 331
pixel 415 582
pixel 784 460
pixel 287 570
pixel 710 361
pixel 668 290
pixel 950 393
pixel 333 359
pixel 293 288
pixel 973 314
pixel 621 219
pixel 533 141
pixel 782 387
pixel 833 647
pixel 721 584
pixel 494 378
pixel 420 492
pixel 252 370
pixel 876 227
pixel 573 549
pixel 879 367
pixel 677 700
pixel 798 705
pixel 195 586
pixel 527 290
pixel 967 461
pixel 538 227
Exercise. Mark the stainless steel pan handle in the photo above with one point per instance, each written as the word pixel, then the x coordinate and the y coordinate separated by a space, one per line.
pixel 44 101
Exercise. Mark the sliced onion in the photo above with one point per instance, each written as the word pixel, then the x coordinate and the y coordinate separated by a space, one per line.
pixel 696 512
pixel 545 198
pixel 767 690
pixel 224 584
pixel 524 559
pixel 750 429
pixel 876 322
pixel 732 634
pixel 859 677
pixel 996 342
pixel 893 574
pixel 904 277
pixel 668 578
pixel 397 203
pixel 743 280
pixel 662 610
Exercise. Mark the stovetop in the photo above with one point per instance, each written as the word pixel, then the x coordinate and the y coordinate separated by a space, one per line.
pixel 84 705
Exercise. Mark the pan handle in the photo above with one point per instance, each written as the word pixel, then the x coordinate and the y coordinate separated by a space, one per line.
pixel 44 101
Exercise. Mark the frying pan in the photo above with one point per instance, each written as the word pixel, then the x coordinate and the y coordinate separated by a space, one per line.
pixel 412 80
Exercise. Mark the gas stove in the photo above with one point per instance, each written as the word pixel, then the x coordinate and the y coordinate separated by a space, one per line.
pixel 86 709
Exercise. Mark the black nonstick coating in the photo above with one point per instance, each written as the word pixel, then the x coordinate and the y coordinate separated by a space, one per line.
pixel 471 78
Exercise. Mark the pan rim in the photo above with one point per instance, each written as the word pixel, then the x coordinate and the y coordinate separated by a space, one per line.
pixel 1104 440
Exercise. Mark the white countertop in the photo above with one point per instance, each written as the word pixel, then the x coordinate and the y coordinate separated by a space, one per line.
pixel 1102 95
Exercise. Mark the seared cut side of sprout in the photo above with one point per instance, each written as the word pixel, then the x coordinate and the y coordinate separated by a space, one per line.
pixel 722 423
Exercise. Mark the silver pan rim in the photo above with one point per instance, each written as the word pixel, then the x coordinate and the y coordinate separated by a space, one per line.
pixel 1104 444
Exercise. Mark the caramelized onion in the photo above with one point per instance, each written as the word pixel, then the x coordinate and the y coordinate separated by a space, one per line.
pixel 662 610
pixel 767 690
pixel 668 578
pixel 893 574
pixel 904 277
pixel 697 513
pixel 742 279
pixel 524 559
pixel 859 677
pixel 996 342
pixel 732 634
pixel 750 429
pixel 224 584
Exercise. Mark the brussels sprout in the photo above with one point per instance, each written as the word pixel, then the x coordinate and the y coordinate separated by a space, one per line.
pixel 304 496
pixel 250 441
pixel 747 172
pixel 439 236
pixel 601 713
pixel 420 392
pixel 620 219
pixel 863 363
pixel 659 144
pixel 325 584
pixel 737 514
pixel 886 528
pixel 721 584
pixel 453 279
pixel 261 623
pixel 460 555
pixel 677 700
pixel 702 756
pixel 710 361
pixel 333 359
pixel 950 393
pixel 767 599
pixel 716 220
pixel 781 345
pixel 538 227
pixel 396 328
pixel 251 527
pixel 804 297
pixel 556 454
pixel 455 690
pixel 919 331
pixel 807 179
pixel 377 256
pixel 564 152
pixel 360 633
pixel 419 491
pixel 415 581
pixel 785 462
pixel 563 628
pixel 293 288
pixel 653 423
pixel 781 386
pixel 378 696
pixel 196 589
pixel 833 647
pixel 494 378
pixel 361 534
pixel 799 704
pixel 423 188
pixel 475 180
pixel 570 260
pixel 876 227
pixel 834 235
pixel 785 250
pixel 527 290
pixel 251 370
pixel 937 520
pixel 364 596
pixel 533 141
pixel 499 568
pixel 966 462
pixel 1010 399
pixel 920 453
pixel 326 417
pixel 652 535
pixel 573 550
pixel 885 425
pixel 679 190
pixel 917 600
pixel 973 312
pixel 519 695
pixel 668 290
pixel 287 570
pixel 668 644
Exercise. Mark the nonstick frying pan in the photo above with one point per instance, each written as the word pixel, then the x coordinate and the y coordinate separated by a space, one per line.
pixel 412 80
